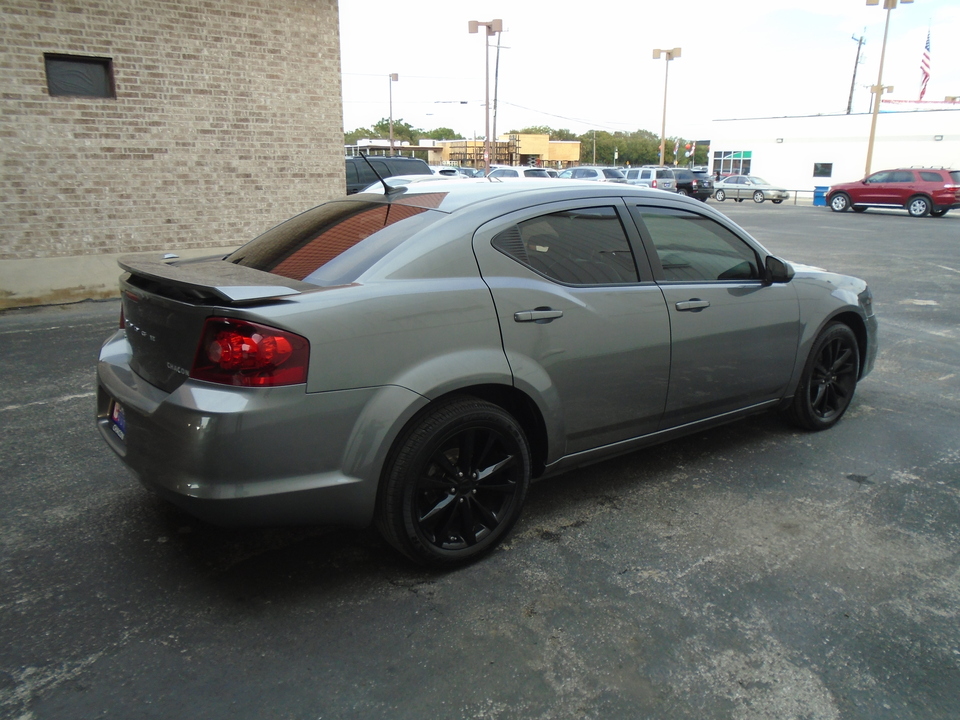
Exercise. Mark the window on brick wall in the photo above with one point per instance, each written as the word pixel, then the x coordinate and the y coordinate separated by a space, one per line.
pixel 79 76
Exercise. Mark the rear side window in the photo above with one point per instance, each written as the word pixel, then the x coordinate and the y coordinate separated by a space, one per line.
pixel 928 176
pixel 694 248
pixel 333 244
pixel 587 246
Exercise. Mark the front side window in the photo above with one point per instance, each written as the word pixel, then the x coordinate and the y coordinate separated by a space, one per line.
pixel 880 177
pixel 587 246
pixel 694 248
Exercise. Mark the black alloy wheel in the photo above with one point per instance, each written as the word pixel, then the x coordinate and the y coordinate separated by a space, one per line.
pixel 456 483
pixel 829 379
pixel 758 196
pixel 720 196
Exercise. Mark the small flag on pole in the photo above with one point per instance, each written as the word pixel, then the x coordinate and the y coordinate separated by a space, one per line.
pixel 925 67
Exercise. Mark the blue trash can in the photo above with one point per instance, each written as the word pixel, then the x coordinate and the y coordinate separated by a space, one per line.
pixel 820 195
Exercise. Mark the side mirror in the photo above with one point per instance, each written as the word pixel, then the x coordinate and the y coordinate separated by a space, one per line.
pixel 778 271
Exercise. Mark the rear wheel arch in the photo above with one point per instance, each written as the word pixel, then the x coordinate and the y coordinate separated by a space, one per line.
pixel 515 402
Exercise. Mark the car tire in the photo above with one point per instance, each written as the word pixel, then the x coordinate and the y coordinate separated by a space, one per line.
pixel 828 381
pixel 776 202
pixel 758 196
pixel 720 196
pixel 939 212
pixel 683 192
pixel 918 206
pixel 859 208
pixel 455 483
pixel 840 202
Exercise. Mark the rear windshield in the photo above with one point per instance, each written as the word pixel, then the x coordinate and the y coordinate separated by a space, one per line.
pixel 612 173
pixel 335 243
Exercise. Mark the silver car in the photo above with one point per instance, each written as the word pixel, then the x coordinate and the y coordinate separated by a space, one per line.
pixel 661 178
pixel 415 358
pixel 594 174
pixel 748 187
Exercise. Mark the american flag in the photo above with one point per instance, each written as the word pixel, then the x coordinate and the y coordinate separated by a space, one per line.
pixel 925 67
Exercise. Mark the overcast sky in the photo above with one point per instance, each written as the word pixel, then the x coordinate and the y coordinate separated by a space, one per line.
pixel 588 65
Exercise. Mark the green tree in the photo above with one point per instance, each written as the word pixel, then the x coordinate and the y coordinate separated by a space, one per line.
pixel 442 134
pixel 402 131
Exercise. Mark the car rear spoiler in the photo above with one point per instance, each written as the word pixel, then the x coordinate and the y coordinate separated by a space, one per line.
pixel 223 280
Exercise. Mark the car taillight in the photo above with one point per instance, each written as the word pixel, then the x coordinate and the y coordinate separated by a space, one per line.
pixel 653 183
pixel 237 352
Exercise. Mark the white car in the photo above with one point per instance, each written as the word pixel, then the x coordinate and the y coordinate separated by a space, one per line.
pixel 445 170
pixel 518 173
pixel 399 180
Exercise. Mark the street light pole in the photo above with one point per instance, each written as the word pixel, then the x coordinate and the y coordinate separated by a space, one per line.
pixel 669 55
pixel 493 27
pixel 393 78
pixel 879 88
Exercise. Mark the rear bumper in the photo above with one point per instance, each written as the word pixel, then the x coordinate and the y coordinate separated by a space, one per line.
pixel 250 456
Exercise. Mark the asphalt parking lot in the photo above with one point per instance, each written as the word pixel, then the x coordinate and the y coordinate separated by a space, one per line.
pixel 751 572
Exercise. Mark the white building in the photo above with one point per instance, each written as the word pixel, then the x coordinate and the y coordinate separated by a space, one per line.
pixel 801 153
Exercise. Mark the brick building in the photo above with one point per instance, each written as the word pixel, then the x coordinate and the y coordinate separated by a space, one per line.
pixel 159 125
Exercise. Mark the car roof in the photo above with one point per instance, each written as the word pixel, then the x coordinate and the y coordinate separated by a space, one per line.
pixel 455 196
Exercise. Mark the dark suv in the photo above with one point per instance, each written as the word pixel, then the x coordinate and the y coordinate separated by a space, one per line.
pixel 359 174
pixel 689 183
pixel 920 191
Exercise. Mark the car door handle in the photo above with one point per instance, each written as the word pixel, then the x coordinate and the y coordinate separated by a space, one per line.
pixel 693 305
pixel 538 315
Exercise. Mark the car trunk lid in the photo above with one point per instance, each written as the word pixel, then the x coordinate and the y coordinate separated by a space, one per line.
pixel 165 307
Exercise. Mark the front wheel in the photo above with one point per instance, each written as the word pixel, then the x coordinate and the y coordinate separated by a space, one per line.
pixel 918 206
pixel 758 196
pixel 828 381
pixel 455 484
pixel 939 213
pixel 776 202
pixel 839 202
pixel 720 196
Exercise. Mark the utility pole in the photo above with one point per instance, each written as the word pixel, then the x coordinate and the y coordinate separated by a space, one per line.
pixel 860 43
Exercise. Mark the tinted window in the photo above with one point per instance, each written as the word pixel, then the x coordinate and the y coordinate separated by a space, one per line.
pixel 880 177
pixel 612 173
pixel 536 172
pixel 928 176
pixel 333 244
pixel 901 176
pixel 76 75
pixel 578 247
pixel 822 169
pixel 694 248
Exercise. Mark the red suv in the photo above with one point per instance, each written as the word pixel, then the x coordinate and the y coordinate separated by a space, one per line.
pixel 920 191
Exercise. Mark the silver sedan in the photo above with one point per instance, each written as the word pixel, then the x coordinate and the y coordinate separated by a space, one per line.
pixel 415 358
pixel 746 187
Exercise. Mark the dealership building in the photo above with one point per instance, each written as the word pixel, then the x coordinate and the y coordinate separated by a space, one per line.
pixel 803 153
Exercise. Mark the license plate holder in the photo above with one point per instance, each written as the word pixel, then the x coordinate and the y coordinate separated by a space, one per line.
pixel 118 421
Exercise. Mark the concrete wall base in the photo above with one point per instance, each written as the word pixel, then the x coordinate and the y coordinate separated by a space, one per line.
pixel 60 280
